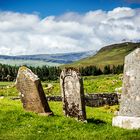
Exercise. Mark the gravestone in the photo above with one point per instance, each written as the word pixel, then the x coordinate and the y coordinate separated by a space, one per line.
pixel 31 92
pixel 129 113
pixel 73 94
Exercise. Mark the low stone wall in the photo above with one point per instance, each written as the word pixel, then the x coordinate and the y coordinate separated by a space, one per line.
pixel 92 100
pixel 54 98
pixel 95 100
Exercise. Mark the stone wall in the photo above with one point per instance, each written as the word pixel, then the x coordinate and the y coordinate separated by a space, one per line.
pixel 54 98
pixel 95 100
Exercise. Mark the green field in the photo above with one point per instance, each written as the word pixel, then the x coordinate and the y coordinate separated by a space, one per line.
pixel 92 84
pixel 109 55
pixel 17 124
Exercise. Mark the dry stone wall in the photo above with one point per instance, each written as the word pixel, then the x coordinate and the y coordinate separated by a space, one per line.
pixel 95 100
pixel 92 100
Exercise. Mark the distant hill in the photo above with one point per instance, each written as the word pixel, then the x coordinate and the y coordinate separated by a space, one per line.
pixel 44 59
pixel 112 55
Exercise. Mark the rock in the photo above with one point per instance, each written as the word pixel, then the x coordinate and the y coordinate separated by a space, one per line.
pixel 118 90
pixel 1 97
pixel 126 122
pixel 72 94
pixel 130 98
pixel 31 92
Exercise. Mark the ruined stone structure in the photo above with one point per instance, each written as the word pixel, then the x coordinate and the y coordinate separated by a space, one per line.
pixel 92 100
pixel 31 92
pixel 72 94
pixel 102 99
pixel 129 114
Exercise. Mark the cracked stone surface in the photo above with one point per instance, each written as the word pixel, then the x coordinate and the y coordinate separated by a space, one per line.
pixel 130 99
pixel 31 92
pixel 73 94
pixel 129 113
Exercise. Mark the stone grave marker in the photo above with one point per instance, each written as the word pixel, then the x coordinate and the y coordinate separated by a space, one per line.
pixel 31 92
pixel 129 113
pixel 73 94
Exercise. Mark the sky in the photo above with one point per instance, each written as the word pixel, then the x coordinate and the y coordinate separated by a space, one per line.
pixel 61 26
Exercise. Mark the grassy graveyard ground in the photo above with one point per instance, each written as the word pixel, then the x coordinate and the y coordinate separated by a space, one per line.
pixel 92 84
pixel 15 123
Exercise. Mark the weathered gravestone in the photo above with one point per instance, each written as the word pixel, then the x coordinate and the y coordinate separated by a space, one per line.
pixel 129 113
pixel 31 92
pixel 72 94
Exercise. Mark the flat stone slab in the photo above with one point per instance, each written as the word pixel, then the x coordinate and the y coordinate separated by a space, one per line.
pixel 31 92
pixel 129 112
pixel 126 122
pixel 130 98
pixel 73 94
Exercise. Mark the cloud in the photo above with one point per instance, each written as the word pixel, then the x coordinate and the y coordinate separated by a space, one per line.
pixel 70 32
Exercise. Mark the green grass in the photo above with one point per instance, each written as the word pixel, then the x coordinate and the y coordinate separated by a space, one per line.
pixel 8 89
pixel 17 124
pixel 92 84
pixel 102 83
pixel 109 55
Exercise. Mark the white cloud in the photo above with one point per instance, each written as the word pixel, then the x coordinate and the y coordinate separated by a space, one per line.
pixel 28 34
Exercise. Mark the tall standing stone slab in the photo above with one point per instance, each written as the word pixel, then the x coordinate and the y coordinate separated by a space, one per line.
pixel 72 94
pixel 31 92
pixel 129 113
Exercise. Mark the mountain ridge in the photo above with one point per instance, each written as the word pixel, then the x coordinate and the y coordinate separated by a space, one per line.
pixel 59 58
pixel 109 55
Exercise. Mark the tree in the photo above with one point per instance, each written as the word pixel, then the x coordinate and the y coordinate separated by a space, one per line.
pixel 106 69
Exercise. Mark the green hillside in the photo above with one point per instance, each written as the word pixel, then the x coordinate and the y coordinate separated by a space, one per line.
pixel 112 55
